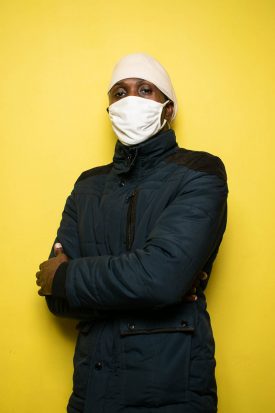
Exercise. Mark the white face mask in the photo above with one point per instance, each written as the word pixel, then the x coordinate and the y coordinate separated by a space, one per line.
pixel 135 119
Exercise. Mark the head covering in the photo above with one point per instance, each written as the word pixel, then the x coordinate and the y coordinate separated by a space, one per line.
pixel 143 66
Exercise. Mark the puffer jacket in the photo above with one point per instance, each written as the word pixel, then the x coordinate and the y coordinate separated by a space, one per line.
pixel 138 232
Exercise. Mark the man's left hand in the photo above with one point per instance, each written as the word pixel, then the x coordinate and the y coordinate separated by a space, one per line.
pixel 44 277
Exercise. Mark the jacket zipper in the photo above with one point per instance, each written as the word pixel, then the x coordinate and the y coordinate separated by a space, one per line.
pixel 131 219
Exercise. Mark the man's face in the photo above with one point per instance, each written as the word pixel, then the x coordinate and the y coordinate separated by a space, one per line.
pixel 141 88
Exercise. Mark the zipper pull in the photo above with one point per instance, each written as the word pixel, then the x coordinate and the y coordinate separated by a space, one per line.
pixel 132 195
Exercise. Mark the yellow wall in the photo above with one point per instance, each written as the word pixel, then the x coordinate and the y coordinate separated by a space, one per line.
pixel 55 61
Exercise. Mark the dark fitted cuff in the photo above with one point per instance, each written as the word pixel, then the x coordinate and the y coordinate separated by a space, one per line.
pixel 59 281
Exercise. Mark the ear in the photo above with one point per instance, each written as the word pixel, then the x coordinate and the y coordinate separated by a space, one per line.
pixel 168 111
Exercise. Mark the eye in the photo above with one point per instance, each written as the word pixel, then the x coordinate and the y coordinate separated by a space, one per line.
pixel 119 93
pixel 145 90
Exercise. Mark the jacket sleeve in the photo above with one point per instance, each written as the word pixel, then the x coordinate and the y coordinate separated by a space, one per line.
pixel 185 236
pixel 67 235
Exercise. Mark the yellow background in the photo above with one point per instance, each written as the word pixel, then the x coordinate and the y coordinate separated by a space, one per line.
pixel 56 59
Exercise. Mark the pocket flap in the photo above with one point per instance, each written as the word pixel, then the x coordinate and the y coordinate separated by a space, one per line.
pixel 164 321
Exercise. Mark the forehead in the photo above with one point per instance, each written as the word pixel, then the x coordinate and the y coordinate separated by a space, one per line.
pixel 132 81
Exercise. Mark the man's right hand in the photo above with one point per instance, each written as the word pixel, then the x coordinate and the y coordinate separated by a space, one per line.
pixel 45 275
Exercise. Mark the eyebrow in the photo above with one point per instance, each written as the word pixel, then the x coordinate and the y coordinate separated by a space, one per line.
pixel 139 81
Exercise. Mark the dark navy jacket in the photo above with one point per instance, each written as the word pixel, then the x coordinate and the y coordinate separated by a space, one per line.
pixel 138 232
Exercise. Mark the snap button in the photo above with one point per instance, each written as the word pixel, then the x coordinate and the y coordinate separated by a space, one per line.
pixel 98 365
pixel 122 183
pixel 131 326
pixel 184 323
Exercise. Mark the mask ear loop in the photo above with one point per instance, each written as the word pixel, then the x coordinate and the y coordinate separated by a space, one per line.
pixel 165 120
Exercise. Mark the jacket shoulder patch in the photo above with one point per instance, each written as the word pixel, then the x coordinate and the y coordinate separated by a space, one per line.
pixel 199 161
pixel 99 170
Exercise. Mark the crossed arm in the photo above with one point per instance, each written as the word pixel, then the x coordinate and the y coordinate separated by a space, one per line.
pixel 165 271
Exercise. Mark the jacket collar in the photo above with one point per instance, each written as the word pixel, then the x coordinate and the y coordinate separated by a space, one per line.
pixel 132 159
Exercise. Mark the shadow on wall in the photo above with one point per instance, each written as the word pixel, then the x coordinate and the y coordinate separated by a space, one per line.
pixel 67 328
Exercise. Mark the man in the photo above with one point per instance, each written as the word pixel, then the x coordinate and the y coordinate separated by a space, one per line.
pixel 136 237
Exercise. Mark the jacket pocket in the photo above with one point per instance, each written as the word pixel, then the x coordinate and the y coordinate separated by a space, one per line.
pixel 155 358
